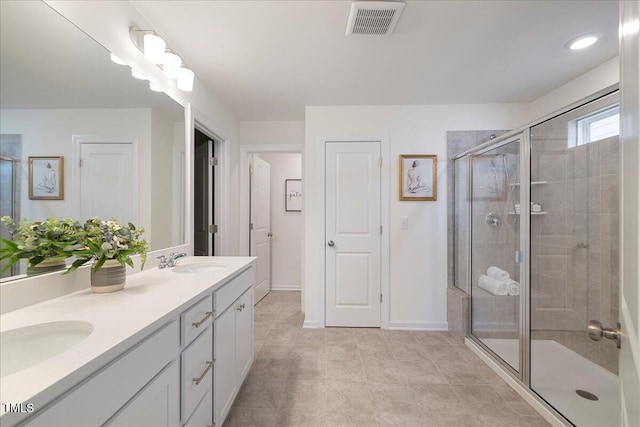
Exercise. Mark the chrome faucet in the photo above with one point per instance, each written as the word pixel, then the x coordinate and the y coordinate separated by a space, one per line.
pixel 171 261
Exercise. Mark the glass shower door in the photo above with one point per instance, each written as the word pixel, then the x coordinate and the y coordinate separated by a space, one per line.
pixel 495 245
pixel 575 187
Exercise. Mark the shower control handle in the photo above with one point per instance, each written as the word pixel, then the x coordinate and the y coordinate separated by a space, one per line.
pixel 596 332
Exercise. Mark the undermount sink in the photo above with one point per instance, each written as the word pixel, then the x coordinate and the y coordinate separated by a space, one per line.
pixel 200 267
pixel 25 347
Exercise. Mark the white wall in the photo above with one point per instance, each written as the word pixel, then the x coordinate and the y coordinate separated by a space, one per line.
pixel 285 226
pixel 271 132
pixel 418 266
pixel 49 133
pixel 598 78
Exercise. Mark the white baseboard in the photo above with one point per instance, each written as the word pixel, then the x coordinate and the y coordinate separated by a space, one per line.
pixel 310 324
pixel 285 287
pixel 420 326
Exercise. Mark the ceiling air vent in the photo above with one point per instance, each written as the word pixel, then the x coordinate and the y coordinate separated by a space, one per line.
pixel 373 18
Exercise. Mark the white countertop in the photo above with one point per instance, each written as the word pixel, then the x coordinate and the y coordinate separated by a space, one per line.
pixel 120 319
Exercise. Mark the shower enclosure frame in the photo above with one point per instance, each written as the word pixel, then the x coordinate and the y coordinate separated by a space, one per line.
pixel 522 134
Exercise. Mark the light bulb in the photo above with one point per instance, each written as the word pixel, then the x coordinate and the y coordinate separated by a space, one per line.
pixel 138 75
pixel 185 79
pixel 117 59
pixel 171 65
pixel 154 87
pixel 154 48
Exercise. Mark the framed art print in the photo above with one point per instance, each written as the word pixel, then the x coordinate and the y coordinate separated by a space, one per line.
pixel 46 178
pixel 418 177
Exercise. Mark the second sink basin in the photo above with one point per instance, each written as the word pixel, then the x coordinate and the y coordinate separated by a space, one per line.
pixel 24 347
pixel 200 267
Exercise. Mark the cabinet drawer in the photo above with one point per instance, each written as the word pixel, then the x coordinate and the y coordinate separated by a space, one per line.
pixel 223 297
pixel 197 372
pixel 196 319
pixel 203 415
pixel 128 374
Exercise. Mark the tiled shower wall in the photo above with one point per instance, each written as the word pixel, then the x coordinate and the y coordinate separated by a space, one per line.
pixel 457 217
pixel 575 246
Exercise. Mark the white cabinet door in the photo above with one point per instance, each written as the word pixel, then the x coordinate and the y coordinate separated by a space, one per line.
pixel 156 405
pixel 224 375
pixel 244 335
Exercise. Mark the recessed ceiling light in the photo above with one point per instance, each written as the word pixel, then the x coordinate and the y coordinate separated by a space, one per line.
pixel 583 41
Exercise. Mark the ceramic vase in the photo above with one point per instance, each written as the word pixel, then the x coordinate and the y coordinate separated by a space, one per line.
pixel 110 277
pixel 46 266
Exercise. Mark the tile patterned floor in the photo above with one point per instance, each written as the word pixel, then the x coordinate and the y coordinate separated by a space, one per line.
pixel 367 377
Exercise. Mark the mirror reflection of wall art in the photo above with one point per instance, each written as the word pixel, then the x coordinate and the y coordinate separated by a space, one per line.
pixel 293 195
pixel 418 177
pixel 46 178
pixel 489 177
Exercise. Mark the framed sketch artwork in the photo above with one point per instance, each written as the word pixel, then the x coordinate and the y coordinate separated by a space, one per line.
pixel 418 177
pixel 293 195
pixel 46 178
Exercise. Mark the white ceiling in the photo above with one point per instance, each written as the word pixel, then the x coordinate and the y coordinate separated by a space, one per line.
pixel 267 60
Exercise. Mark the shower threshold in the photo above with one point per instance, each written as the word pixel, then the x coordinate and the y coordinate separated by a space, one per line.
pixel 558 372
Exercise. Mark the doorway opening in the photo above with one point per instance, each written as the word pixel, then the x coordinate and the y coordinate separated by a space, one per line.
pixel 273 217
pixel 204 185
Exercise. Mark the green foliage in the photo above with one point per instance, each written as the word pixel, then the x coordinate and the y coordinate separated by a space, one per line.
pixel 105 240
pixel 36 241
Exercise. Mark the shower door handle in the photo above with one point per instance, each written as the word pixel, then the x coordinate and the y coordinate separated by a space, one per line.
pixel 596 332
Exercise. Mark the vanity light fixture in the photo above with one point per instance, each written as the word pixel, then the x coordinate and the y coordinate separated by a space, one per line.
pixel 154 48
pixel 154 87
pixel 155 51
pixel 138 75
pixel 171 65
pixel 185 79
pixel 583 41
pixel 117 59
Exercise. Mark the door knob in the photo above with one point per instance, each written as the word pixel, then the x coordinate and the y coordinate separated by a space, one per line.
pixel 330 243
pixel 596 332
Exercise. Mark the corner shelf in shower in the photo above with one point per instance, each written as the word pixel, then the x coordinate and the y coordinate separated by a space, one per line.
pixel 532 213
pixel 517 184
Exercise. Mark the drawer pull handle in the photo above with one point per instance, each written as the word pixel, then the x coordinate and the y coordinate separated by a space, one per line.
pixel 204 319
pixel 198 380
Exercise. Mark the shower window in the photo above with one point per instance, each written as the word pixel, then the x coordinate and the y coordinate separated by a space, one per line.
pixel 595 126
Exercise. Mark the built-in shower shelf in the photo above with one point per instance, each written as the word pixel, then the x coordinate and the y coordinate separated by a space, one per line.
pixel 532 213
pixel 517 184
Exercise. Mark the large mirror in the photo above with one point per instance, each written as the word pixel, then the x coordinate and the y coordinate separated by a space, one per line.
pixel 79 136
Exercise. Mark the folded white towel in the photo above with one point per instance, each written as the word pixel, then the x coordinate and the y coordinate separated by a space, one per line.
pixel 497 273
pixel 513 287
pixel 493 286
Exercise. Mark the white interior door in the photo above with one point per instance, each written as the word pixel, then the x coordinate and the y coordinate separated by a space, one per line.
pixel 630 229
pixel 352 232
pixel 102 168
pixel 261 224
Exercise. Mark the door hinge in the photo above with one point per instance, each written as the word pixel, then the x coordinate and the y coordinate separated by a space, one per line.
pixel 380 161
pixel 213 161
pixel 380 230
pixel 80 162
pixel 213 228
pixel 380 297
pixel 251 226
pixel 250 169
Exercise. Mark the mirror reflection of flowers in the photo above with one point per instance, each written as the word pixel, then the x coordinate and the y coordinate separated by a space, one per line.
pixel 37 241
pixel 110 240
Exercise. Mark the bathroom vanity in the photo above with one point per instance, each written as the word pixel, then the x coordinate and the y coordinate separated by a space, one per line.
pixel 171 349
